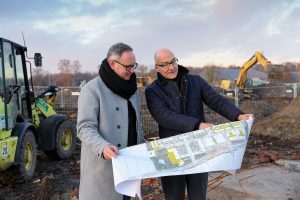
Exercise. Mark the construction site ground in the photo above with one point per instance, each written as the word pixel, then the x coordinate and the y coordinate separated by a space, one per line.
pixel 270 169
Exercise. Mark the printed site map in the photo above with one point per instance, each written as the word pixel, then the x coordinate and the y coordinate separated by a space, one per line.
pixel 219 148
pixel 194 148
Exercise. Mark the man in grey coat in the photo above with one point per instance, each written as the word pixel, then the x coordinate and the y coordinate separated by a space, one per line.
pixel 108 120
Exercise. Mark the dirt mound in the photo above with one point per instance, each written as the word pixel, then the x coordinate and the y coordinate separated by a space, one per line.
pixel 284 124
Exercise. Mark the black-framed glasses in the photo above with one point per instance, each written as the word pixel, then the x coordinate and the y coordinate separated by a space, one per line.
pixel 166 64
pixel 128 67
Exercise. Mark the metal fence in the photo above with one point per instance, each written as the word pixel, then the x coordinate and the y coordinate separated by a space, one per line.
pixel 264 102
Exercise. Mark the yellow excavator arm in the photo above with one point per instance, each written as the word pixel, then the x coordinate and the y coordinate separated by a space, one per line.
pixel 256 58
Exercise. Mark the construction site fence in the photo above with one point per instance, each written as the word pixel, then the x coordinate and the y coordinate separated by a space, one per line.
pixel 260 101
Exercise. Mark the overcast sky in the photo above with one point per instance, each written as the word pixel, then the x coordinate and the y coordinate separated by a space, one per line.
pixel 220 32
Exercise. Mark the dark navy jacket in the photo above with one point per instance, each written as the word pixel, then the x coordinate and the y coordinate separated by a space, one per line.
pixel 179 111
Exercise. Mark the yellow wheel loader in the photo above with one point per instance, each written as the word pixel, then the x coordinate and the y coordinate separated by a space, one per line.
pixel 27 123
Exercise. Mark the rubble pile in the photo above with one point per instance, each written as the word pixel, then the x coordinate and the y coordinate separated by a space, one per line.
pixel 284 124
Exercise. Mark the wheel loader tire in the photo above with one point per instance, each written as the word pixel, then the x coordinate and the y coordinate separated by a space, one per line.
pixel 25 169
pixel 65 143
pixel 28 156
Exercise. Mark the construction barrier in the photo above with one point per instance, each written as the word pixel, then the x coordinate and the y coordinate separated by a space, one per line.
pixel 264 102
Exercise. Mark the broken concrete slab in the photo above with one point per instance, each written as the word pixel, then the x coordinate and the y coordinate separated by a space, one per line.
pixel 293 165
pixel 265 183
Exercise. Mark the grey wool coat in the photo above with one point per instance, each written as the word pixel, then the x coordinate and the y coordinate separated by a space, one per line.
pixel 102 119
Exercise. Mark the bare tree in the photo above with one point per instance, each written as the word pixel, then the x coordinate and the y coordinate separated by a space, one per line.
pixel 65 69
pixel 141 70
pixel 276 74
pixel 76 67
pixel 211 73
pixel 64 66
pixel 68 71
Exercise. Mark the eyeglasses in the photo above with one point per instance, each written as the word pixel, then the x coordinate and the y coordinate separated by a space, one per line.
pixel 128 67
pixel 166 64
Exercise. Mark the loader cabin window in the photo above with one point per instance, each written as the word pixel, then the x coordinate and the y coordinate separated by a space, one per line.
pixel 10 84
pixel 21 82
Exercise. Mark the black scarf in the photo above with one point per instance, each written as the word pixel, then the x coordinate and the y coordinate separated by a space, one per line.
pixel 119 86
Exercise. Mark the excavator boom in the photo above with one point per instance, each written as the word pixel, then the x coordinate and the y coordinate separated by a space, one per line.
pixel 256 58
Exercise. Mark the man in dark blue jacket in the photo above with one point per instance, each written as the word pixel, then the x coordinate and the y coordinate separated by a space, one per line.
pixel 175 100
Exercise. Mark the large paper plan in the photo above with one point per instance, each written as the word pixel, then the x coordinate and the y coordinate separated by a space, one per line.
pixel 219 148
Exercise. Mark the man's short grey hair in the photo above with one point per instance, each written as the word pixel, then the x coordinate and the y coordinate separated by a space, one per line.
pixel 115 51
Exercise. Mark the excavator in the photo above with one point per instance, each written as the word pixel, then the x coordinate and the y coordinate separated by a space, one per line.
pixel 229 85
pixel 256 58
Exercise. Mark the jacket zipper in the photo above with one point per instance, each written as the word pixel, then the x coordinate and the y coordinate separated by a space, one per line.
pixel 180 97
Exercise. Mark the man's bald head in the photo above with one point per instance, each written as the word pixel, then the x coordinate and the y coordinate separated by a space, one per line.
pixel 161 54
pixel 166 63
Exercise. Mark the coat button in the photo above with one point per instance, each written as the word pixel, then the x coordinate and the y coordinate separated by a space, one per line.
pixel 117 108
pixel 118 126
pixel 119 145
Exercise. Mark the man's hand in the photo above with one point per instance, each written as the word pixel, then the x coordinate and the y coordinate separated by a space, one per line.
pixel 110 151
pixel 244 117
pixel 205 125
